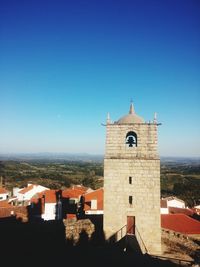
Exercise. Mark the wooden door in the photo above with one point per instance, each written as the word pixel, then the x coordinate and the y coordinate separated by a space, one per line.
pixel 131 225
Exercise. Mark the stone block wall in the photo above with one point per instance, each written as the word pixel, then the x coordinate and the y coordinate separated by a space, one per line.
pixel 20 212
pixel 73 229
pixel 180 245
pixel 142 163
pixel 146 137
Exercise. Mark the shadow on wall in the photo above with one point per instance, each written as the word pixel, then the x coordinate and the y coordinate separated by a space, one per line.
pixel 44 244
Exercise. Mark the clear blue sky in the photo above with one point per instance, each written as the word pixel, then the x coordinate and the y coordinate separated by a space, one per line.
pixel 65 64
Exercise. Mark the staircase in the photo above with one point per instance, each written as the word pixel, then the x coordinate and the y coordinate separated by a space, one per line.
pixel 132 244
pixel 127 239
pixel 131 241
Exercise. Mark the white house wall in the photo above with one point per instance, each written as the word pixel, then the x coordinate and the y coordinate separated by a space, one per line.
pixel 164 211
pixel 49 211
pixel 3 196
pixel 176 204
pixel 28 195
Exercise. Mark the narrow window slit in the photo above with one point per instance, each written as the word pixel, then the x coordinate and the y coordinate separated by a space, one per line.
pixel 130 200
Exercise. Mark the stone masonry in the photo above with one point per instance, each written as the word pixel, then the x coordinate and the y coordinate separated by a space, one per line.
pixel 73 229
pixel 141 164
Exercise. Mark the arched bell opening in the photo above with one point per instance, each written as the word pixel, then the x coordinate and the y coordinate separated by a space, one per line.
pixel 131 139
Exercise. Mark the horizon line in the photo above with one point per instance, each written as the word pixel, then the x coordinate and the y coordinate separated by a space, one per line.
pixel 84 153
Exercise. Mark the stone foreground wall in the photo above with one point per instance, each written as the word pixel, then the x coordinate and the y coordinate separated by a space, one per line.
pixel 73 229
pixel 20 212
pixel 180 245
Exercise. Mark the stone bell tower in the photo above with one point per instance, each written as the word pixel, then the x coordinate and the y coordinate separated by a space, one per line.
pixel 132 181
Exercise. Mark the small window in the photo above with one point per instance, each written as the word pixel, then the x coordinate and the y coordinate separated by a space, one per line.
pixel 130 180
pixel 130 200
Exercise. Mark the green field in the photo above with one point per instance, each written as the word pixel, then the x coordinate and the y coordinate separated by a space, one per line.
pixel 179 178
pixel 57 175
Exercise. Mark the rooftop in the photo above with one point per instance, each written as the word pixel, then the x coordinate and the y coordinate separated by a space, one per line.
pixel 175 210
pixel 72 193
pixel 50 196
pixel 180 223
pixel 4 204
pixel 95 195
pixel 173 198
pixel 3 190
pixel 130 118
pixel 26 189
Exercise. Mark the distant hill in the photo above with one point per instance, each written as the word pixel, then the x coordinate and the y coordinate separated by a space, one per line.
pixel 46 156
pixel 180 159
pixel 84 157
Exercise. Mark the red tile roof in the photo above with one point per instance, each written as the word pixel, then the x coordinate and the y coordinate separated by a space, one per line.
pixel 49 196
pixel 72 193
pixel 4 204
pixel 174 210
pixel 98 195
pixel 3 190
pixel 37 196
pixel 26 189
pixel 80 187
pixel 180 223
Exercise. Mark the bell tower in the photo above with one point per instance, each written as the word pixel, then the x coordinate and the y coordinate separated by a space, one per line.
pixel 132 181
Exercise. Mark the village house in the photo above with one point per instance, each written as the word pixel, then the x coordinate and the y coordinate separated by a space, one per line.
pixel 186 211
pixel 43 205
pixel 23 196
pixel 93 202
pixel 4 194
pixel 52 209
pixel 174 202
pixel 28 192
pixel 170 204
pixel 57 204
pixel 74 193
